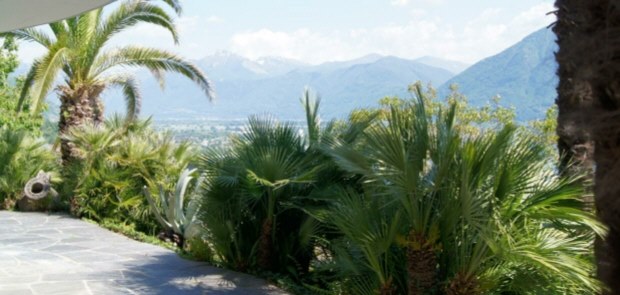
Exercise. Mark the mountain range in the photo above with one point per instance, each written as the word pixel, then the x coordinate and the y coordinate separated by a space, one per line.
pixel 523 75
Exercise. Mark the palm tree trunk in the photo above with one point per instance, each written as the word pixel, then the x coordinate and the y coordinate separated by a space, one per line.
pixel 421 265
pixel 388 288
pixel 605 120
pixel 463 284
pixel 77 107
pixel 575 144
pixel 589 59
pixel 265 245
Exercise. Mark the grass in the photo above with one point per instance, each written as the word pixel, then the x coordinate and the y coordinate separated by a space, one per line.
pixel 130 231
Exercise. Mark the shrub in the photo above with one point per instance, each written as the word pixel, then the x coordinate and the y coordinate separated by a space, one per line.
pixel 262 201
pixel 21 158
pixel 116 160
pixel 10 93
pixel 446 211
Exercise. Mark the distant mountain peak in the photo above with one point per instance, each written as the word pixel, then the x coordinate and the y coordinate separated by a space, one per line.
pixel 273 85
pixel 273 58
pixel 225 53
pixel 453 66
pixel 370 57
pixel 524 75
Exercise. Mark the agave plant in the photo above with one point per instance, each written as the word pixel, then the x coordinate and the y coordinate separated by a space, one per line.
pixel 117 160
pixel 441 212
pixel 179 221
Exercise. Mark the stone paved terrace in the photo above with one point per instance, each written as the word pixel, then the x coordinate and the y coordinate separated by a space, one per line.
pixel 57 254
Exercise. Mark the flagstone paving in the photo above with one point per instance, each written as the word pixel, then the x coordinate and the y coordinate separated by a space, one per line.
pixel 57 254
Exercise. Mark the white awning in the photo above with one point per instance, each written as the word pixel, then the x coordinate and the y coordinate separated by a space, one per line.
pixel 16 14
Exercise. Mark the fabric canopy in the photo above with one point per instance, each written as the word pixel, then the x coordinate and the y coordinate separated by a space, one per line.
pixel 16 14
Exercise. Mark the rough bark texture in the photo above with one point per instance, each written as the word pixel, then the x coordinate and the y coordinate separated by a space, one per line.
pixel 265 245
pixel 388 288
pixel 462 284
pixel 421 265
pixel 589 58
pixel 575 143
pixel 606 131
pixel 77 107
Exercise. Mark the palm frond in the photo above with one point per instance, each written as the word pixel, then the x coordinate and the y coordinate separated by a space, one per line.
pixel 45 75
pixel 32 35
pixel 311 106
pixel 28 83
pixel 131 92
pixel 59 28
pixel 154 60
pixel 174 4
pixel 128 15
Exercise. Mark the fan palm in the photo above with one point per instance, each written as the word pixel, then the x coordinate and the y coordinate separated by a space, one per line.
pixel 458 214
pixel 77 49
pixel 270 168
pixel 263 195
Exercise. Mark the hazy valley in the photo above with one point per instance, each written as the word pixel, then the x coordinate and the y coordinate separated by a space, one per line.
pixel 523 75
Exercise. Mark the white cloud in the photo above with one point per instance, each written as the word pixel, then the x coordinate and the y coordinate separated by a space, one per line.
pixel 415 2
pixel 417 13
pixel 423 33
pixel 399 2
pixel 214 19
pixel 536 17
pixel 431 2
pixel 301 44
pixel 481 37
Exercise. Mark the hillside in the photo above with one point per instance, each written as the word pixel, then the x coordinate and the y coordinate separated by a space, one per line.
pixel 523 75
pixel 274 86
pixel 455 67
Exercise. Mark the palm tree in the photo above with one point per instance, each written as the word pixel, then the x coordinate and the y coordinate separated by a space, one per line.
pixel 77 50
pixel 589 101
pixel 444 212
pixel 262 192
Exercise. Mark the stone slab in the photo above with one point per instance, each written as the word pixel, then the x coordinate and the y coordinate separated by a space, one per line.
pixel 56 254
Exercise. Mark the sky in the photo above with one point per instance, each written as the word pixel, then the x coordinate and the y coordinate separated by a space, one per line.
pixel 317 31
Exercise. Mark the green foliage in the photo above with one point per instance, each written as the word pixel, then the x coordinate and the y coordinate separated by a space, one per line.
pixel 470 119
pixel 78 49
pixel 262 201
pixel 129 230
pixel 9 94
pixel 117 161
pixel 8 61
pixel 485 206
pixel 524 75
pixel 262 178
pixel 22 157
pixel 199 249
pixel 355 207
pixel 544 131
pixel 171 211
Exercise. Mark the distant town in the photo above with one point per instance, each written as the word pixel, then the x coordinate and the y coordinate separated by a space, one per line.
pixel 207 133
